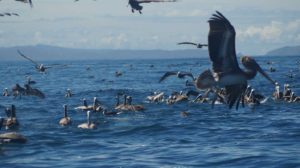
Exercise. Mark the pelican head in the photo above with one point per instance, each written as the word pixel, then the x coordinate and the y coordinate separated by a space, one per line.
pixel 252 65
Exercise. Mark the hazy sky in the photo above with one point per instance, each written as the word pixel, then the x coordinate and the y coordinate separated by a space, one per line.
pixel 261 25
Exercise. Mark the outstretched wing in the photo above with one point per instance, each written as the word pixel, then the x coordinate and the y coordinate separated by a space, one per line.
pixel 28 58
pixel 221 44
pixel 187 74
pixel 167 74
pixel 148 1
pixel 190 43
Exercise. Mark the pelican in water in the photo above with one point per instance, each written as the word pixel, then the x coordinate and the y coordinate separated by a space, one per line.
pixel 199 45
pixel 179 74
pixel 96 106
pixel 225 68
pixel 66 120
pixel 135 4
pixel 5 92
pixel 88 124
pixel 11 121
pixel 26 1
pixel 11 137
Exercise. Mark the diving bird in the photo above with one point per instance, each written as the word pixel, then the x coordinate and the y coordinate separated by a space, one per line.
pixel 179 74
pixel 225 68
pixel 26 1
pixel 195 44
pixel 135 4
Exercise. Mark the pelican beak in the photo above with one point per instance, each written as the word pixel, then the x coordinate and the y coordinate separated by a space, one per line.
pixel 265 75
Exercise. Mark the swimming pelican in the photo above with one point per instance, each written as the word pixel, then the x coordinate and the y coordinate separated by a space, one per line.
pixel 66 120
pixel 179 74
pixel 226 71
pixel 195 44
pixel 5 92
pixel 11 137
pixel 89 124
pixel 11 121
pixel 135 4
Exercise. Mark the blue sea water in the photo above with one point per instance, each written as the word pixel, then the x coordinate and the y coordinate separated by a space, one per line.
pixel 264 136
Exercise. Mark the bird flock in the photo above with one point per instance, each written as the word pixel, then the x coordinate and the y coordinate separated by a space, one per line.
pixel 225 83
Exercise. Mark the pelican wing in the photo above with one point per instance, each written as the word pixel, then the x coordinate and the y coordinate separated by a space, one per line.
pixel 148 1
pixel 167 74
pixel 190 43
pixel 22 55
pixel 235 94
pixel 221 44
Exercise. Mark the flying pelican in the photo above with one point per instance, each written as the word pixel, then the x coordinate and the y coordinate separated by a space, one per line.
pixel 226 71
pixel 26 1
pixel 39 67
pixel 195 44
pixel 135 4
pixel 88 124
pixel 66 120
pixel 179 74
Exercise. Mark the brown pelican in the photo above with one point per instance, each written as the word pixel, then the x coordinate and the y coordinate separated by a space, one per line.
pixel 26 1
pixel 226 71
pixel 66 120
pixel 11 121
pixel 88 124
pixel 195 44
pixel 68 93
pixel 39 67
pixel 5 92
pixel 179 74
pixel 11 137
pixel 135 4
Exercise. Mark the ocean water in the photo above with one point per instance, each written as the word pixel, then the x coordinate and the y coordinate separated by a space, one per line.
pixel 263 136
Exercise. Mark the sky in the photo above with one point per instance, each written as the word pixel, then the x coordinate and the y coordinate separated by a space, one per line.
pixel 261 25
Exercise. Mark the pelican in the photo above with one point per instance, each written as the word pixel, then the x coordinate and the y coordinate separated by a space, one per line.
pixel 18 90
pixel 39 67
pixel 11 121
pixel 33 92
pixel 179 74
pixel 5 92
pixel 135 4
pixel 199 45
pixel 226 71
pixel 88 124
pixel 11 137
pixel 26 1
pixel 68 93
pixel 66 120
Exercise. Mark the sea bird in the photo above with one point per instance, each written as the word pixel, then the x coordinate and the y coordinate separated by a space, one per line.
pixel 225 69
pixel 135 4
pixel 199 45
pixel 66 120
pixel 179 74
pixel 88 124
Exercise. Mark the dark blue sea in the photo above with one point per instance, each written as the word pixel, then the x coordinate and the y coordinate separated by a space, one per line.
pixel 267 135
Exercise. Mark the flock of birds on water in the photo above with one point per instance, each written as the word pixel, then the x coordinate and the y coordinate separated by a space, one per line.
pixel 225 83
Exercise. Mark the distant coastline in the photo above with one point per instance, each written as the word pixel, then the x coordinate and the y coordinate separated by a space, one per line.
pixel 53 53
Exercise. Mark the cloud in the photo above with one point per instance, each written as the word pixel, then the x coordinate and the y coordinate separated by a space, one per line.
pixel 273 32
